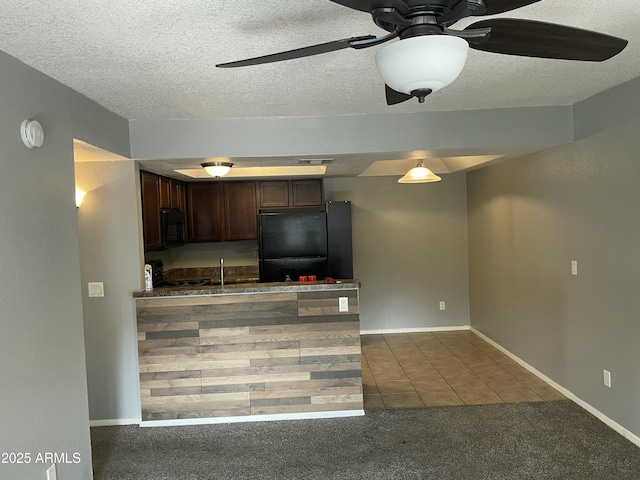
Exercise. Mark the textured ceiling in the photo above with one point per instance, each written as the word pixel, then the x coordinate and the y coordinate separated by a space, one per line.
pixel 154 59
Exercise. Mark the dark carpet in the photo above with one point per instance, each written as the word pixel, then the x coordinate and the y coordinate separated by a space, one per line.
pixel 552 440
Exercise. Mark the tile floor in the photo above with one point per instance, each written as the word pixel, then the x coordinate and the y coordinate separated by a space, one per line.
pixel 417 370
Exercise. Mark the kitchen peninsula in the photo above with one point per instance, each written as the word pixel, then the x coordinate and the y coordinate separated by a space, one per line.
pixel 249 351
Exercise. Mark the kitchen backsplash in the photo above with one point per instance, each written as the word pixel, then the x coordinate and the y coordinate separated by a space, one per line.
pixel 248 273
pixel 199 255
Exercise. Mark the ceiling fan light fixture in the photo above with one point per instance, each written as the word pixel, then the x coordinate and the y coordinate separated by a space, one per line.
pixel 217 169
pixel 428 62
pixel 419 174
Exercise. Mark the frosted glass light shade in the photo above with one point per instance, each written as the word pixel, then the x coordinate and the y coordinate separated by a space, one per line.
pixel 426 62
pixel 217 169
pixel 419 174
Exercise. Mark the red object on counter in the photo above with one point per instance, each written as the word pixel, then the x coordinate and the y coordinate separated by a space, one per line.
pixel 329 280
pixel 312 278
pixel 303 278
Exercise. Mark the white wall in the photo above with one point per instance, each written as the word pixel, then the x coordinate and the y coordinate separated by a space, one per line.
pixel 110 253
pixel 44 389
pixel 410 250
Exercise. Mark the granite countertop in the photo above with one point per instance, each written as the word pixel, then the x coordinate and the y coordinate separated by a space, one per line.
pixel 241 288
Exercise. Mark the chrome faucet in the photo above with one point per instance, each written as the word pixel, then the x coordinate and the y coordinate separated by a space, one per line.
pixel 222 272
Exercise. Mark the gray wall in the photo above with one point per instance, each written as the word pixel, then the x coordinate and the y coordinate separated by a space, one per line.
pixel 410 250
pixel 527 220
pixel 44 388
pixel 110 253
pixel 497 130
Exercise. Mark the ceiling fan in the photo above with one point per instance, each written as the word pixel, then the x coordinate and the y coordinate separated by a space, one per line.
pixel 430 55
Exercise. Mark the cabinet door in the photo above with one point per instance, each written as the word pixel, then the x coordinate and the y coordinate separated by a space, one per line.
pixel 150 185
pixel 306 193
pixel 204 212
pixel 177 195
pixel 165 192
pixel 274 194
pixel 241 210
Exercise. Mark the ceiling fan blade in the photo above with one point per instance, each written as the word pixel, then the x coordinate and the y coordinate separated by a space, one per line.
pixel 501 6
pixel 298 52
pixel 369 5
pixel 530 38
pixel 393 97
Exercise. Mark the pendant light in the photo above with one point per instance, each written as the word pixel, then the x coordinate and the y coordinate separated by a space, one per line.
pixel 217 169
pixel 419 174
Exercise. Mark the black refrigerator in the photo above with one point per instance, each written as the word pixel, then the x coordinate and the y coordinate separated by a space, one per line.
pixel 292 243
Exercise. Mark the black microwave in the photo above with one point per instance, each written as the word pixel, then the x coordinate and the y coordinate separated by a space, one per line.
pixel 173 228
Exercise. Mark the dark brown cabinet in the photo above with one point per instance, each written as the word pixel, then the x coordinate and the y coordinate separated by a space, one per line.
pixel 171 194
pixel 204 212
pixel 158 193
pixel 290 193
pixel 150 186
pixel 220 211
pixel 274 194
pixel 177 201
pixel 306 193
pixel 240 211
pixel 165 193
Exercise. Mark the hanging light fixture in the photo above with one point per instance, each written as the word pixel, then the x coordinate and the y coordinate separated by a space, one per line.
pixel 217 169
pixel 419 174
pixel 421 65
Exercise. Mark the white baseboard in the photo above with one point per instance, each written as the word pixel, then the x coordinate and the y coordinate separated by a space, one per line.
pixel 252 418
pixel 114 422
pixel 414 330
pixel 592 410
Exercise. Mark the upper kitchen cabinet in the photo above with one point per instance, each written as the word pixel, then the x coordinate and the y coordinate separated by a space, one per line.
pixel 177 196
pixel 240 210
pixel 171 194
pixel 291 193
pixel 204 212
pixel 150 186
pixel 274 194
pixel 306 193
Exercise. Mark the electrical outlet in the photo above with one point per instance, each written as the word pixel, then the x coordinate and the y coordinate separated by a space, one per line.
pixel 574 267
pixel 343 304
pixel 51 472
pixel 607 378
pixel 96 289
pixel 443 305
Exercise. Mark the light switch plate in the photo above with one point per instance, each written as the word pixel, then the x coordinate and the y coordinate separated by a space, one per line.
pixel 574 267
pixel 51 472
pixel 96 289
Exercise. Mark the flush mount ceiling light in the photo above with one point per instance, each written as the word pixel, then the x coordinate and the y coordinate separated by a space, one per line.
pixel 217 169
pixel 419 174
pixel 419 66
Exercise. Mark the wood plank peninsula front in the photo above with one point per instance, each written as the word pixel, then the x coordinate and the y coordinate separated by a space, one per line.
pixel 249 352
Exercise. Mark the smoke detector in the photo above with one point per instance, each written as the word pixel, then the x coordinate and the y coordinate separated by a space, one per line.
pixel 32 133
